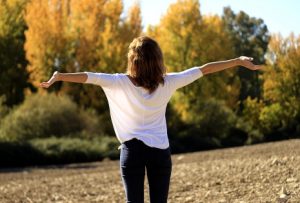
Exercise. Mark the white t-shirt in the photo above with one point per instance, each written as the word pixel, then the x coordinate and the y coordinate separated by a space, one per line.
pixel 134 112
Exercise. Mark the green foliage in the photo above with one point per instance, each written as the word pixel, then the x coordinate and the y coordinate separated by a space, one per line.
pixel 4 110
pixel 13 75
pixel 54 150
pixel 271 117
pixel 265 122
pixel 249 120
pixel 250 37
pixel 207 128
pixel 109 146
pixel 62 150
pixel 280 120
pixel 47 115
pixel 214 118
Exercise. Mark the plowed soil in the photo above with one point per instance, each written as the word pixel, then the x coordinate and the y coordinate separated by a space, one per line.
pixel 259 173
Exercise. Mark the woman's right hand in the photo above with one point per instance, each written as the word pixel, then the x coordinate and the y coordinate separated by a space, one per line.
pixel 52 80
pixel 247 63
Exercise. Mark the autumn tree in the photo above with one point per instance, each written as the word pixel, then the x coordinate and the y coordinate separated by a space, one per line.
pixel 178 34
pixel 74 36
pixel 250 37
pixel 13 63
pixel 46 45
pixel 189 39
pixel 100 39
pixel 85 21
pixel 77 35
pixel 282 82
pixel 86 25
pixel 277 114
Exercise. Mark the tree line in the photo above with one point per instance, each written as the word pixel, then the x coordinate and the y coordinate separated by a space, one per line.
pixel 232 107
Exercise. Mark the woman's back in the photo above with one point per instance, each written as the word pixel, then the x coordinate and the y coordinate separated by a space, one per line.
pixel 135 112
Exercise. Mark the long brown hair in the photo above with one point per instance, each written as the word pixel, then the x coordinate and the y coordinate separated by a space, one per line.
pixel 146 63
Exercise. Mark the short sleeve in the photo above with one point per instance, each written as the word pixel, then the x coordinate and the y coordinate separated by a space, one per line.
pixel 183 78
pixel 101 79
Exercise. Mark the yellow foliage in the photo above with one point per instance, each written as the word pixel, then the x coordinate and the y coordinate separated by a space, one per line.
pixel 282 76
pixel 134 21
pixel 44 37
pixel 178 32
pixel 77 35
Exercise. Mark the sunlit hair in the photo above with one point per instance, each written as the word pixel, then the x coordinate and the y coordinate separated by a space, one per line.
pixel 145 63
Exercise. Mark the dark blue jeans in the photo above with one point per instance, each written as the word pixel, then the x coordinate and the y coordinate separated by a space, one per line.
pixel 134 158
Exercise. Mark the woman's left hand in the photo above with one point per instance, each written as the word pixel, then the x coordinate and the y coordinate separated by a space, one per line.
pixel 52 80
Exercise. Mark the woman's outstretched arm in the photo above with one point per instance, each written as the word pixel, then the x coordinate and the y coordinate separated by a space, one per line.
pixel 222 65
pixel 79 77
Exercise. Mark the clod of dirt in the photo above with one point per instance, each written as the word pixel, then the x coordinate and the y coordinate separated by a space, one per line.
pixel 283 195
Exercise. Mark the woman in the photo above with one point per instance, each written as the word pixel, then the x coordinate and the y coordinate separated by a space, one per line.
pixel 137 102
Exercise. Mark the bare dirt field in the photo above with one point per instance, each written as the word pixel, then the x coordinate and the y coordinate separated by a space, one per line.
pixel 260 173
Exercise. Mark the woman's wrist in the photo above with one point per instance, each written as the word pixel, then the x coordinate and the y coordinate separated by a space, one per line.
pixel 237 62
pixel 58 76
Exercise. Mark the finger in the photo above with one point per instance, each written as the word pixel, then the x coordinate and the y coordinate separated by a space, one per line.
pixel 248 58
pixel 44 84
